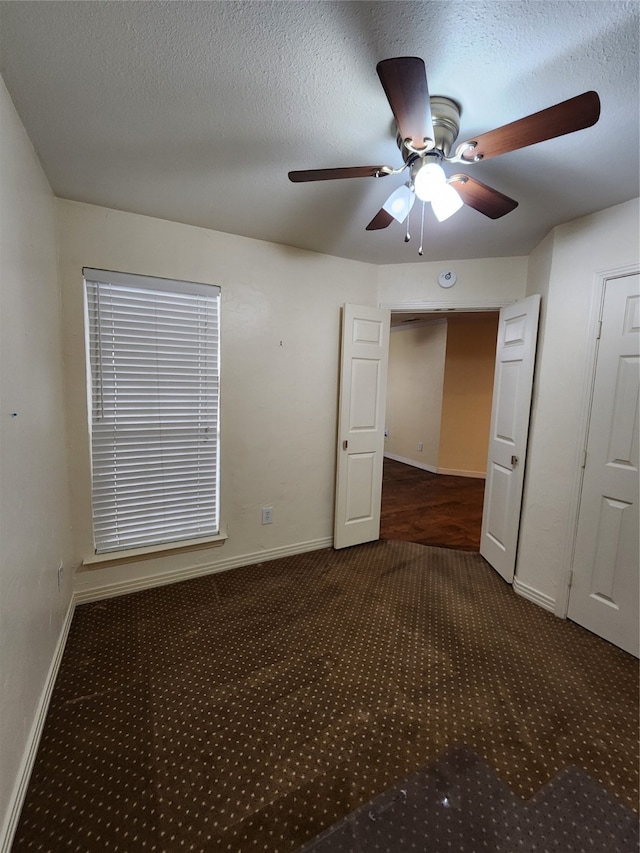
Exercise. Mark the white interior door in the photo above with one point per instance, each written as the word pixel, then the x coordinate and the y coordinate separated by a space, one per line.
pixel 605 590
pixel 363 386
pixel 513 381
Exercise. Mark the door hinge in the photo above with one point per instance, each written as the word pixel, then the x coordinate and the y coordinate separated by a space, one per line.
pixel 584 459
pixel 599 330
pixel 570 579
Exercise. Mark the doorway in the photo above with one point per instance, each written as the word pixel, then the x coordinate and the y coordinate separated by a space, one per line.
pixel 441 370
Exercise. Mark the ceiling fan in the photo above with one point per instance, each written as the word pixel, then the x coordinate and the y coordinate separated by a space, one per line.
pixel 427 130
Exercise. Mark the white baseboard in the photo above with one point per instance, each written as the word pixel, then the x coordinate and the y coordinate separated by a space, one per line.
pixel 406 461
pixel 454 472
pixel 134 585
pixel 110 590
pixel 540 598
pixel 26 766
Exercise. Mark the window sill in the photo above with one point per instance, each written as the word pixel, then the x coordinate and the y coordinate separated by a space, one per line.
pixel 115 557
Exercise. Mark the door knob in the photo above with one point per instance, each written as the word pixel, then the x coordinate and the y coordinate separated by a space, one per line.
pixel 514 461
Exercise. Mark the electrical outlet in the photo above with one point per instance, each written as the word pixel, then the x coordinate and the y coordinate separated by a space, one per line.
pixel 267 514
pixel 60 576
pixel 420 445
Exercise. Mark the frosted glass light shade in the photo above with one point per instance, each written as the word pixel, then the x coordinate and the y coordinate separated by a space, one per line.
pixel 428 180
pixel 399 203
pixel 445 202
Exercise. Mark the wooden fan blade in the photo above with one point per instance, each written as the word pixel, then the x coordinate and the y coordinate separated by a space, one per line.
pixel 382 219
pixel 404 81
pixel 492 203
pixel 575 114
pixel 336 174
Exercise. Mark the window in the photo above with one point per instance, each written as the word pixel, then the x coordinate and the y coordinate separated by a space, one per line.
pixel 153 370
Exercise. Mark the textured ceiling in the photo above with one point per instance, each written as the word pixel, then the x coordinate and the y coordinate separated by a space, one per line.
pixel 196 111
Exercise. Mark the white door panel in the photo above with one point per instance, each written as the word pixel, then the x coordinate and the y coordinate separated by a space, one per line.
pixel 363 383
pixel 605 590
pixel 364 394
pixel 506 418
pixel 497 522
pixel 360 478
pixel 513 381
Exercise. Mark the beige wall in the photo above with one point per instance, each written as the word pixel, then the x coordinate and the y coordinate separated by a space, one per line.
pixel 483 282
pixel 414 392
pixel 564 269
pixel 467 394
pixel 280 322
pixel 34 521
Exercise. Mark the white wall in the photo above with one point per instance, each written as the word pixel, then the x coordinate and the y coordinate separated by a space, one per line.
pixel 439 392
pixel 483 282
pixel 563 269
pixel 280 345
pixel 34 526
pixel 414 392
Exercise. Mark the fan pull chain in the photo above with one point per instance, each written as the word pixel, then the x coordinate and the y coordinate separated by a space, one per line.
pixel 421 230
pixel 407 236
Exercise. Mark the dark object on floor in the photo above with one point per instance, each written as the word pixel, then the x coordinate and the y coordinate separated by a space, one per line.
pixel 459 803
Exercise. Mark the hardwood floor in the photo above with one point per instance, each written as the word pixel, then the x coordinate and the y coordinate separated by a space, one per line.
pixel 432 509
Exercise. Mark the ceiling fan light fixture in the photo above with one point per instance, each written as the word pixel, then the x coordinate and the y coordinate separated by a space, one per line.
pixel 400 203
pixel 446 202
pixel 428 181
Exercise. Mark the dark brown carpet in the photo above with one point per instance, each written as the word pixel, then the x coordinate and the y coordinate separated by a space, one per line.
pixel 252 709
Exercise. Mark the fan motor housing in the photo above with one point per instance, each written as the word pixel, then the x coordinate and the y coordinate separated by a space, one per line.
pixel 446 122
pixel 445 115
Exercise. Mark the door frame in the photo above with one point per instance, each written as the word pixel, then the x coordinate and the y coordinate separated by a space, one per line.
pixel 444 308
pixel 597 301
pixel 466 307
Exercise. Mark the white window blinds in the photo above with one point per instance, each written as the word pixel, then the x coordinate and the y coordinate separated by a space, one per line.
pixel 154 379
